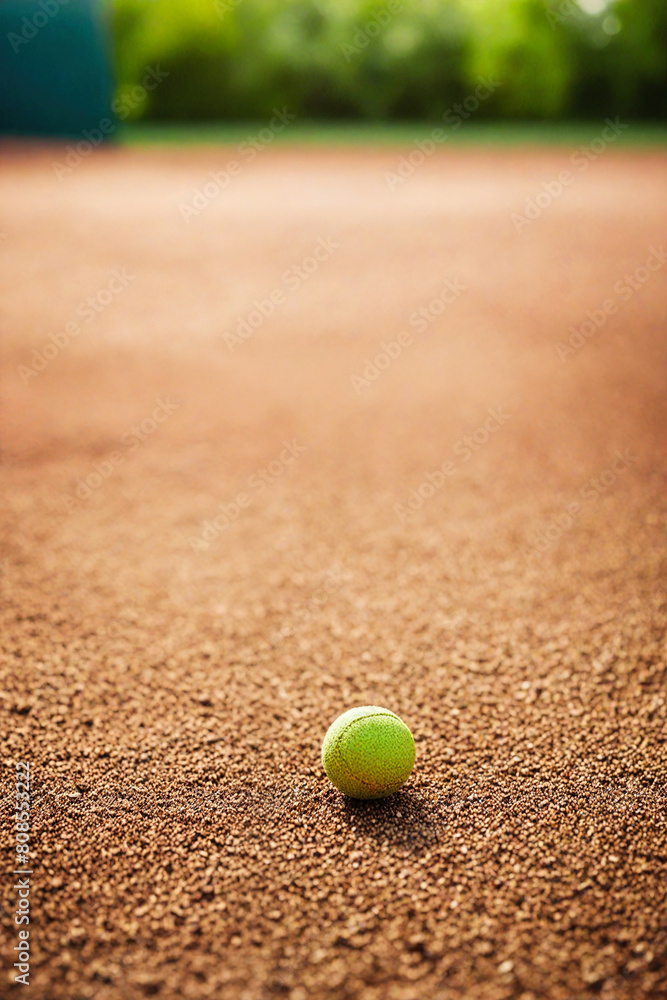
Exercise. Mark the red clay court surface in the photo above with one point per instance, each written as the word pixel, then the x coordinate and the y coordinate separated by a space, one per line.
pixel 209 553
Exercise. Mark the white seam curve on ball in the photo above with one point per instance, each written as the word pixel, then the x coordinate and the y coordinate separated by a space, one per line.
pixel 349 770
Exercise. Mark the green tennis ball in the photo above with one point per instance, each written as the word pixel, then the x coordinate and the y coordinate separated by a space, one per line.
pixel 368 752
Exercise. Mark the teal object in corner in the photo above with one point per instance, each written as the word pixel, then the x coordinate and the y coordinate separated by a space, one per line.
pixel 55 67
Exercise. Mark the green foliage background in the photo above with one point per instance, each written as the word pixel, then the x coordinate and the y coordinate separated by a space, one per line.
pixel 366 59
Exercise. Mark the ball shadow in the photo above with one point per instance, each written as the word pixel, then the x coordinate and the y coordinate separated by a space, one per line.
pixel 403 820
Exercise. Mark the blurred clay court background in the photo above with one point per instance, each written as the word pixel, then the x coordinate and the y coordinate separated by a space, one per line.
pixel 333 373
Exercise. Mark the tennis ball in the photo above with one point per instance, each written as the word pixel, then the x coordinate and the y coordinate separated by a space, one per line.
pixel 368 752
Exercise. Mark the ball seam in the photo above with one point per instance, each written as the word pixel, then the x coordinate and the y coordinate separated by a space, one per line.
pixel 350 772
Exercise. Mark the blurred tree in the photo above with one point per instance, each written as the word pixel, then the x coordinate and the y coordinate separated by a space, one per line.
pixel 388 59
pixel 515 43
